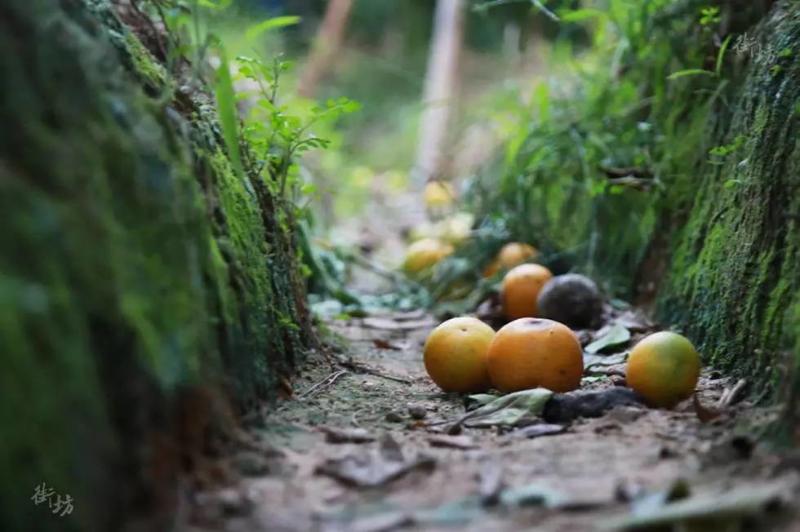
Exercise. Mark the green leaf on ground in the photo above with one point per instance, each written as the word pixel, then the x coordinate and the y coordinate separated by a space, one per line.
pixel 596 361
pixel 614 336
pixel 480 399
pixel 508 410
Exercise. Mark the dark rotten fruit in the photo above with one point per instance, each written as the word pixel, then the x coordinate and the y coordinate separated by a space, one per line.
pixel 571 299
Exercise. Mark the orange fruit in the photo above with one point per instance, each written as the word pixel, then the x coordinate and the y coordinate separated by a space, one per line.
pixel 663 368
pixel 424 254
pixel 532 352
pixel 520 289
pixel 516 253
pixel 438 194
pixel 455 355
pixel 456 228
pixel 510 255
pixel 422 230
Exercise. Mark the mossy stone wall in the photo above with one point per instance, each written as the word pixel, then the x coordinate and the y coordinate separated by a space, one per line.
pixel 733 256
pixel 143 286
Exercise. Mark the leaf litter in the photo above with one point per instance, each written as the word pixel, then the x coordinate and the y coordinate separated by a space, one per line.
pixel 346 435
pixel 610 336
pixel 341 470
pixel 376 467
pixel 462 442
pixel 508 410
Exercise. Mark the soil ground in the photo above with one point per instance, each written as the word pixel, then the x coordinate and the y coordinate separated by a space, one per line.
pixel 631 465
pixel 598 474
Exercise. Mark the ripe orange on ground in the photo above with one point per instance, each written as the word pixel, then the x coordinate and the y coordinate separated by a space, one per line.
pixel 531 352
pixel 456 228
pixel 663 368
pixel 455 355
pixel 438 194
pixel 424 254
pixel 520 289
pixel 516 253
pixel 512 254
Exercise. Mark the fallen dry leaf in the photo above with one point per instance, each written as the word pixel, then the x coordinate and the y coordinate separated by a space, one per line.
pixel 394 325
pixel 540 429
pixel 409 316
pixel 704 414
pixel 375 468
pixel 735 507
pixel 490 482
pixel 454 442
pixel 380 343
pixel 635 321
pixel 381 523
pixel 346 435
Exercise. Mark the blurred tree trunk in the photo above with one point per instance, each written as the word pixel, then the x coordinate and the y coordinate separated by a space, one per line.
pixel 440 81
pixel 326 45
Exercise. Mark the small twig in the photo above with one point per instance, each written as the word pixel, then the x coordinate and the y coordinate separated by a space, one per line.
pixel 358 367
pixel 327 381
pixel 730 394
pixel 549 14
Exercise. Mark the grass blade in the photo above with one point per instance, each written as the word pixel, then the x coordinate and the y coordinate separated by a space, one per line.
pixel 228 115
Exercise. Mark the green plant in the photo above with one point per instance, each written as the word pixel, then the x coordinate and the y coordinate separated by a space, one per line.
pixel 612 136
pixel 709 16
pixel 280 132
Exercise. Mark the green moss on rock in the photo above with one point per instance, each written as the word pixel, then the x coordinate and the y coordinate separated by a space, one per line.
pixel 137 272
pixel 736 258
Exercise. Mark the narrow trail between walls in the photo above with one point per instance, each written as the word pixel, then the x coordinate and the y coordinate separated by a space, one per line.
pixel 367 443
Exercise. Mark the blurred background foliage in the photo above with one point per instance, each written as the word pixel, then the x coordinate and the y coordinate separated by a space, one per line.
pixel 579 124
pixel 599 131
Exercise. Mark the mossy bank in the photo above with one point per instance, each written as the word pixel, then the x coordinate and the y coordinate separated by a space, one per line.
pixel 732 265
pixel 145 288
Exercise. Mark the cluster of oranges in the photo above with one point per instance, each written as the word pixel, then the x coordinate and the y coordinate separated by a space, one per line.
pixel 465 354
pixel 433 241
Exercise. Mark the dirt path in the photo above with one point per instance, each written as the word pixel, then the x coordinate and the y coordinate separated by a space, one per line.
pixel 400 469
